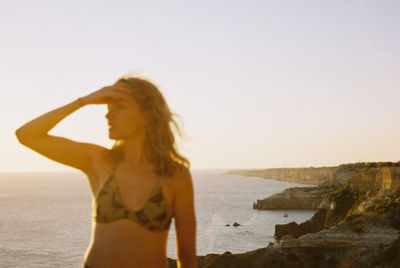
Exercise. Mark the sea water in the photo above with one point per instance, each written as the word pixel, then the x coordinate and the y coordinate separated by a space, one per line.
pixel 45 217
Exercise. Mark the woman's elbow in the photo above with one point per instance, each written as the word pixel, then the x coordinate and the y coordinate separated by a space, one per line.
pixel 25 135
pixel 19 133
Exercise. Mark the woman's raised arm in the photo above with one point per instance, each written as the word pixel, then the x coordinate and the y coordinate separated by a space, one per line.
pixel 34 134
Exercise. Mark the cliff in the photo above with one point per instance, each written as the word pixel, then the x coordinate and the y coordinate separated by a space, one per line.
pixel 357 225
pixel 363 190
pixel 306 197
pixel 309 175
pixel 294 198
pixel 362 219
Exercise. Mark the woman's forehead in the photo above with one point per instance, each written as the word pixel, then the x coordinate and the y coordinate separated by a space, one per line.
pixel 115 102
pixel 118 101
pixel 122 102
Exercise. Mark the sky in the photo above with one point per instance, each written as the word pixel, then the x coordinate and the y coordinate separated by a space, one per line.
pixel 256 84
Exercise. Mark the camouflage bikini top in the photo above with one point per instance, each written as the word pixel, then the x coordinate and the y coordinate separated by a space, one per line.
pixel 155 215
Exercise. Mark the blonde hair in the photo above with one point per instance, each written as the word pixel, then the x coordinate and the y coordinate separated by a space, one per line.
pixel 160 147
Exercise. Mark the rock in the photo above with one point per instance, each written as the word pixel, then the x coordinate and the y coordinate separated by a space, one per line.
pixel 367 239
pixel 236 224
pixel 345 235
pixel 350 200
pixel 285 215
pixel 295 198
pixel 356 225
pixel 385 256
pixel 287 237
pixel 289 228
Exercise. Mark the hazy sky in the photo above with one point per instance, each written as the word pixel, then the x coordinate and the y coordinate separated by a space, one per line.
pixel 257 84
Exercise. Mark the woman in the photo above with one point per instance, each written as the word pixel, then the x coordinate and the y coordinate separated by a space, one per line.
pixel 138 185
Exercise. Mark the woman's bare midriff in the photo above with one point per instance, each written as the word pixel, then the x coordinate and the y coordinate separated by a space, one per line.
pixel 124 243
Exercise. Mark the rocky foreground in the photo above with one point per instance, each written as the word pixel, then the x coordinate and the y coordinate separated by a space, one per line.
pixel 357 225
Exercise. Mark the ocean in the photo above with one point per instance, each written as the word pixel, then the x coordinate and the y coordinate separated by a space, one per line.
pixel 45 217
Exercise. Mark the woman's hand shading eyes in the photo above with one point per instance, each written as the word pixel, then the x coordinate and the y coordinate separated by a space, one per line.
pixel 106 95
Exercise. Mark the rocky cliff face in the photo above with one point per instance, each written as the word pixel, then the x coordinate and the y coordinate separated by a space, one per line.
pixel 357 225
pixel 370 239
pixel 377 179
pixel 313 175
pixel 298 175
pixel 294 198
pixel 364 234
pixel 306 197
pixel 276 256
pixel 364 189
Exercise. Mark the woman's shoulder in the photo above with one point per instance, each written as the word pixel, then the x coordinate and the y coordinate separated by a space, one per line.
pixel 182 177
pixel 100 154
pixel 101 157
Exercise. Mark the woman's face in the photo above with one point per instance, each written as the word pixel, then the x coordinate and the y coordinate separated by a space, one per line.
pixel 124 118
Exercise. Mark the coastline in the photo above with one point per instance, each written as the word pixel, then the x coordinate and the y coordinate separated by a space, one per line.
pixel 357 224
